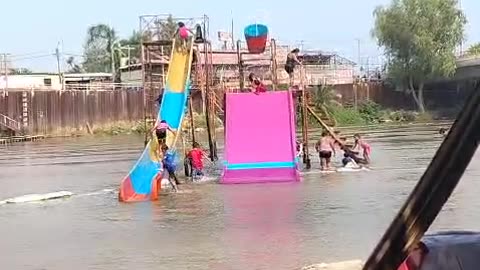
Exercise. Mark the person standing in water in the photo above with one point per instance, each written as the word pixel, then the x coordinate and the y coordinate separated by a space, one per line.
pixel 196 156
pixel 292 61
pixel 360 144
pixel 170 166
pixel 325 147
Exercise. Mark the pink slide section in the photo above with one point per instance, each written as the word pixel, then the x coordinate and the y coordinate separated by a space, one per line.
pixel 259 138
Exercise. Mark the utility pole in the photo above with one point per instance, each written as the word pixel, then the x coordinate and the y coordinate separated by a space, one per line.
pixel 112 51
pixel 59 69
pixel 233 39
pixel 358 54
pixel 5 70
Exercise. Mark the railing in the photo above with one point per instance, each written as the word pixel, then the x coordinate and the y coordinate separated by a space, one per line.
pixel 9 123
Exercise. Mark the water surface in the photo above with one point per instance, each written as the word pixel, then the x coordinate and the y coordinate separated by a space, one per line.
pixel 208 226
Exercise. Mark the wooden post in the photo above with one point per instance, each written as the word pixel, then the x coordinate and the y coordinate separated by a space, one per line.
pixel 209 111
pixel 192 123
pixel 355 95
pixel 240 67
pixel 303 102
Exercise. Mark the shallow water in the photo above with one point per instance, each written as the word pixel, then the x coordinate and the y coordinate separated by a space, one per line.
pixel 208 226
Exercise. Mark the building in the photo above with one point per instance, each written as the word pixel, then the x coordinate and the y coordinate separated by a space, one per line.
pixel 50 81
pixel 320 67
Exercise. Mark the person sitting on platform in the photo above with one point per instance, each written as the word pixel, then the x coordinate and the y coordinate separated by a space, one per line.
pixel 256 84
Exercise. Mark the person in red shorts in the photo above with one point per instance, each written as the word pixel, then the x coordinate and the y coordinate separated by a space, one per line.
pixel 196 158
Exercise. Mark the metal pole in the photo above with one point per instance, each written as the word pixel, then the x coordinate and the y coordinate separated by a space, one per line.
pixel 57 54
pixel 142 52
pixel 192 123
pixel 273 45
pixel 112 55
pixel 240 66
pixel 5 70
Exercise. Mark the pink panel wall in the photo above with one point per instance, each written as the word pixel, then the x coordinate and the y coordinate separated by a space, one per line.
pixel 259 128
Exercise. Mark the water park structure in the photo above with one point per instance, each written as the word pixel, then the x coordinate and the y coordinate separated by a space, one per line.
pixel 246 134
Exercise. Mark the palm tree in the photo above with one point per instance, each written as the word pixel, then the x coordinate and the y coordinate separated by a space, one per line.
pixel 324 101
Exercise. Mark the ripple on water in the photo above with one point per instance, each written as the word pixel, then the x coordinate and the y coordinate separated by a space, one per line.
pixel 324 218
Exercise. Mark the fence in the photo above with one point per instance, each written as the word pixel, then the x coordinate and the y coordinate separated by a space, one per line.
pixel 54 112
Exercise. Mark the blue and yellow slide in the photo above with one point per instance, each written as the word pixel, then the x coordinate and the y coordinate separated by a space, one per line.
pixel 143 181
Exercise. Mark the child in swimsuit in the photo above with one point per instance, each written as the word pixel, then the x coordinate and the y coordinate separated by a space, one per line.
pixel 196 157
pixel 183 33
pixel 161 131
pixel 170 166
pixel 325 147
pixel 360 144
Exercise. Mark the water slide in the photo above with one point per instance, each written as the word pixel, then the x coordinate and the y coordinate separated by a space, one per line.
pixel 260 143
pixel 143 181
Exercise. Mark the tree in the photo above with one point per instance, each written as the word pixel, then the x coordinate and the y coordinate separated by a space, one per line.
pixel 419 38
pixel 101 42
pixel 133 44
pixel 474 49
pixel 165 29
pixel 72 66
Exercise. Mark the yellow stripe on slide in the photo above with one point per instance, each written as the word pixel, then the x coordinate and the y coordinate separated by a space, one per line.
pixel 178 70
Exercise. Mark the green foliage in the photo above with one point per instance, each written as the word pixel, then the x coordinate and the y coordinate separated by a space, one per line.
pixel 474 49
pixel 72 66
pixel 98 48
pixel 370 111
pixel 165 29
pixel 347 116
pixel 102 43
pixel 419 38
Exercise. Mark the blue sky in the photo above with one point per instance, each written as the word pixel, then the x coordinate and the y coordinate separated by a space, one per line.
pixel 31 29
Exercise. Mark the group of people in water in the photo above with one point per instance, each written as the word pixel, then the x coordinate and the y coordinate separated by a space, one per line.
pixel 194 156
pixel 354 156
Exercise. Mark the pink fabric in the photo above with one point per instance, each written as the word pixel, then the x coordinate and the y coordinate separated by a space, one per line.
pixel 366 147
pixel 183 32
pixel 162 126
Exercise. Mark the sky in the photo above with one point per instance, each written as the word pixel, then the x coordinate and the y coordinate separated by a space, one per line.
pixel 32 29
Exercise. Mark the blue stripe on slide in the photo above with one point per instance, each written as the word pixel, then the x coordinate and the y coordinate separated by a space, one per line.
pixel 260 165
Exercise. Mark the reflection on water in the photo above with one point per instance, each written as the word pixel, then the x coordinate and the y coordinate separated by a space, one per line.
pixel 209 226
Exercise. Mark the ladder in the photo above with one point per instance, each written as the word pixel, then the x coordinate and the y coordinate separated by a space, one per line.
pixel 9 123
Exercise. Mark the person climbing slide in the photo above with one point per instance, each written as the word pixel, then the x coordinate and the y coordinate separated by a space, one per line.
pixel 170 166
pixel 183 34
